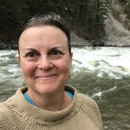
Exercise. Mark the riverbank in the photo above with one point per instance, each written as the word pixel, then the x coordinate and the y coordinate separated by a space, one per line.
pixel 15 47
pixel 117 36
pixel 109 41
pixel 6 46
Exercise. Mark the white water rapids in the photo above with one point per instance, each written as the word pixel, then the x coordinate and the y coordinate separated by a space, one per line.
pixel 98 72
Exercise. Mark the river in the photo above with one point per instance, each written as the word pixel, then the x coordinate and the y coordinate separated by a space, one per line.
pixel 103 73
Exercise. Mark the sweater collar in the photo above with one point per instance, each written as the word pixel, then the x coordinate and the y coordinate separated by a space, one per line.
pixel 23 108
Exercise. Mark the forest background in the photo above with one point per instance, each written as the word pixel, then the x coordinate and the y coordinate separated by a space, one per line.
pixel 85 17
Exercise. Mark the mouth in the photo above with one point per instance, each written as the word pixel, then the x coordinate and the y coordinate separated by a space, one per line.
pixel 49 76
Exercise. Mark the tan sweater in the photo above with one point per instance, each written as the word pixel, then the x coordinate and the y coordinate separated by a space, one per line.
pixel 17 114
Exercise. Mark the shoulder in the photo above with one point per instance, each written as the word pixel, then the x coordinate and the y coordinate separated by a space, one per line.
pixel 90 107
pixel 4 116
pixel 88 101
pixel 9 110
pixel 5 108
pixel 8 117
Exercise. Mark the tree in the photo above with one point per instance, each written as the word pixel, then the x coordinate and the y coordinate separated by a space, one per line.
pixel 127 10
pixel 85 17
pixel 89 15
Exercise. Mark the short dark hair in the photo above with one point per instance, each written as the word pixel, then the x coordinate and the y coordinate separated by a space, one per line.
pixel 49 19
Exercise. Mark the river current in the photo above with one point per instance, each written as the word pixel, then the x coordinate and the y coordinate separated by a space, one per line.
pixel 103 73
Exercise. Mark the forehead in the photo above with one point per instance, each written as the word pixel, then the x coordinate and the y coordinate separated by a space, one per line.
pixel 47 29
pixel 42 33
pixel 44 30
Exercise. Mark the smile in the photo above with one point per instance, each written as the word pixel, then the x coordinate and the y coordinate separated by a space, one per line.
pixel 46 76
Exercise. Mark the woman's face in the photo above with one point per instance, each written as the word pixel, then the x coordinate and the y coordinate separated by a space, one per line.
pixel 44 59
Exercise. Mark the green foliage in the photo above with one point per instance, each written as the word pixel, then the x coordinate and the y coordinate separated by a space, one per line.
pixel 87 15
pixel 127 9
pixel 123 1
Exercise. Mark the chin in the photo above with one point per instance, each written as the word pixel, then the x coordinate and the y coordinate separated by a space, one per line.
pixel 46 89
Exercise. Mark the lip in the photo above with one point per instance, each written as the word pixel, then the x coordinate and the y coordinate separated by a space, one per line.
pixel 48 76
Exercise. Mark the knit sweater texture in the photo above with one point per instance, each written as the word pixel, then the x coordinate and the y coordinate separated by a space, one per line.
pixel 17 114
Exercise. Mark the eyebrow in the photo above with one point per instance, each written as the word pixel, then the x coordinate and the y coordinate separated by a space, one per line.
pixel 56 47
pixel 51 48
pixel 31 49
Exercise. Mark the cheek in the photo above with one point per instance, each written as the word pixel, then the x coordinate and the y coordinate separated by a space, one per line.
pixel 27 68
pixel 65 66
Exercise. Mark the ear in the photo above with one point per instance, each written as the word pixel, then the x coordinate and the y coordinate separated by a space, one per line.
pixel 71 56
pixel 18 59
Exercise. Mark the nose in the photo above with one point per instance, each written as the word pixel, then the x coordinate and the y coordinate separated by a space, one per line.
pixel 45 63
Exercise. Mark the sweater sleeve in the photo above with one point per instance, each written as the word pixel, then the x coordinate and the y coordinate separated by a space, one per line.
pixel 91 108
pixel 4 123
pixel 7 118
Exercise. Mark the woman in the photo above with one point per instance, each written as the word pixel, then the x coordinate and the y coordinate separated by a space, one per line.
pixel 47 103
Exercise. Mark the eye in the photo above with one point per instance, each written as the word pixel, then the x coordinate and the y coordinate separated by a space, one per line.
pixel 55 54
pixel 30 54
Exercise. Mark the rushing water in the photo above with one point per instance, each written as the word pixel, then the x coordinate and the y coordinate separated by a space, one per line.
pixel 102 73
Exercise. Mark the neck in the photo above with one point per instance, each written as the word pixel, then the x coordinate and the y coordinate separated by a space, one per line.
pixel 51 102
